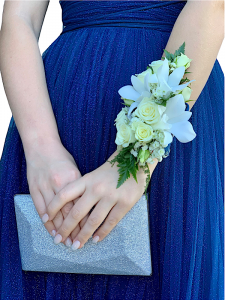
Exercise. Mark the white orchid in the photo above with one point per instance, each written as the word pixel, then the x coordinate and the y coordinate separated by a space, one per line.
pixel 160 84
pixel 168 83
pixel 136 92
pixel 174 121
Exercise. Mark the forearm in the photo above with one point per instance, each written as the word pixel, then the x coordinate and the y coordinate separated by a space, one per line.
pixel 198 23
pixel 201 26
pixel 25 85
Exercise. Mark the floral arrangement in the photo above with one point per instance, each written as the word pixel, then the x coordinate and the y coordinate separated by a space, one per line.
pixel 154 112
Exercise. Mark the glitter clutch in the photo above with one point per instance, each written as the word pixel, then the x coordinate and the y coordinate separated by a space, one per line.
pixel 124 251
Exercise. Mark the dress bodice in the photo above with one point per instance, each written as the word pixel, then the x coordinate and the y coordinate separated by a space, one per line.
pixel 159 15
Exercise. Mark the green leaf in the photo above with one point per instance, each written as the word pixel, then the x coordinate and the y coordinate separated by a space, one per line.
pixel 122 165
pixel 184 80
pixel 180 50
pixel 127 155
pixel 148 178
pixel 126 164
pixel 189 100
pixel 124 175
pixel 168 54
pixel 133 169
pixel 151 69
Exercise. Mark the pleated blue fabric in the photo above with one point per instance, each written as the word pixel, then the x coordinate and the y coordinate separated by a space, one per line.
pixel 101 45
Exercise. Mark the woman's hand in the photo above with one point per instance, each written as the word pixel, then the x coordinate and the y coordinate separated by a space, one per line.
pixel 50 168
pixel 96 188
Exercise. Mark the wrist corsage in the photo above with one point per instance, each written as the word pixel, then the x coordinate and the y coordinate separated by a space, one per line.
pixel 154 112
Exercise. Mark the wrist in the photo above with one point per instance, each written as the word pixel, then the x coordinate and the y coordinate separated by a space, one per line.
pixel 41 144
pixel 140 171
pixel 152 166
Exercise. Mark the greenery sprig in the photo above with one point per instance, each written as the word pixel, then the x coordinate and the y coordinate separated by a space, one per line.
pixel 127 164
pixel 171 56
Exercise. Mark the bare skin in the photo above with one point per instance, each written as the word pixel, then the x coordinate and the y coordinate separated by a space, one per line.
pixel 66 196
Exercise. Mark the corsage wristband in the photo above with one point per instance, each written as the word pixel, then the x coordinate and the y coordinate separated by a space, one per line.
pixel 155 110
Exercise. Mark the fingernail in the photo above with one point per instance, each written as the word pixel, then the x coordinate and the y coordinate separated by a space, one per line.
pixel 75 245
pixel 45 218
pixel 57 239
pixel 95 239
pixel 53 232
pixel 68 242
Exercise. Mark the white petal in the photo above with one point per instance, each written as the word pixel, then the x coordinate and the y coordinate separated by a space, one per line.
pixel 183 131
pixel 161 109
pixel 128 92
pixel 176 76
pixel 146 82
pixel 153 79
pixel 168 138
pixel 145 94
pixel 137 84
pixel 175 106
pixel 162 124
pixel 133 105
pixel 163 71
pixel 181 86
pixel 181 118
pixel 165 87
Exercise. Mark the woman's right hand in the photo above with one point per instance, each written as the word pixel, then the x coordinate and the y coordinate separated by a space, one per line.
pixel 50 167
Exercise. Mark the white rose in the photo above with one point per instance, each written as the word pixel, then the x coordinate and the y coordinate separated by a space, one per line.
pixel 159 158
pixel 145 147
pixel 142 75
pixel 161 152
pixel 155 144
pixel 155 65
pixel 186 92
pixel 161 137
pixel 150 160
pixel 148 111
pixel 137 145
pixel 121 117
pixel 143 132
pixel 132 151
pixel 155 152
pixel 182 61
pixel 124 135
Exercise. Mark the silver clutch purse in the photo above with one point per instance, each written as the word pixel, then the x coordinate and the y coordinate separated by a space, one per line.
pixel 124 251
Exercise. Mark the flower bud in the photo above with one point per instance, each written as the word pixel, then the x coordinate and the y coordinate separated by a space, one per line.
pixel 143 155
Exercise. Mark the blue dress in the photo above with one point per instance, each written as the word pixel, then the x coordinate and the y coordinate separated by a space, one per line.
pixel 102 44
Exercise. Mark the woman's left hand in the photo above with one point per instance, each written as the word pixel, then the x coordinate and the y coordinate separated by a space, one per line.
pixel 97 188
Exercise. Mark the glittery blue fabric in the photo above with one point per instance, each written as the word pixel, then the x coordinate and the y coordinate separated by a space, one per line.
pixel 101 46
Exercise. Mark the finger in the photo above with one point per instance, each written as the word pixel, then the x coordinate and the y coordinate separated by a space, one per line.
pixel 68 206
pixel 77 213
pixel 65 195
pixel 66 209
pixel 40 206
pixel 84 220
pixel 48 195
pixel 115 215
pixel 78 227
pixel 75 232
pixel 57 185
pixel 95 219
